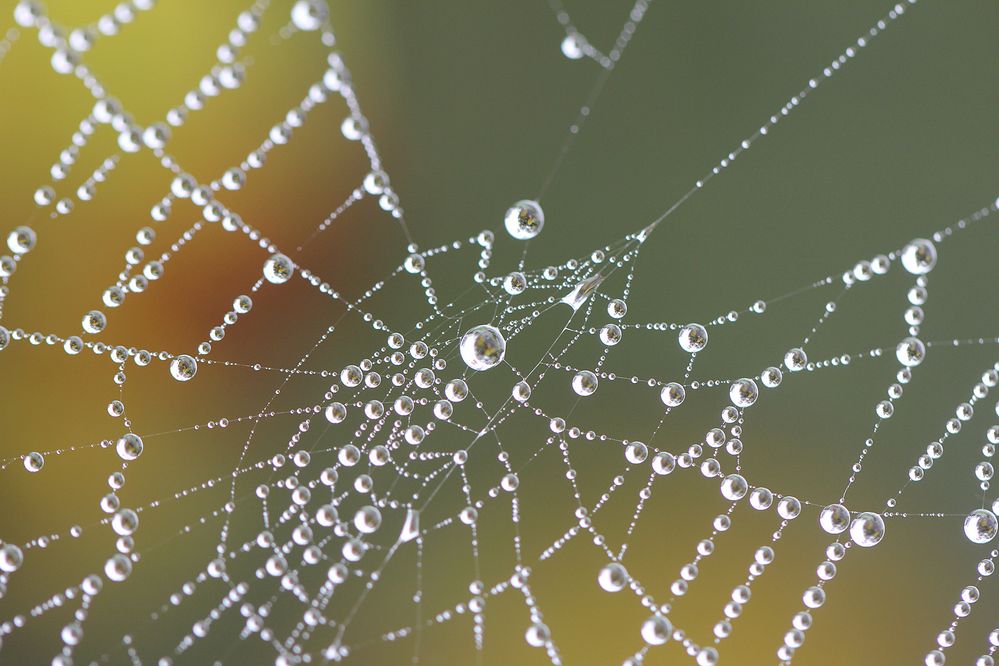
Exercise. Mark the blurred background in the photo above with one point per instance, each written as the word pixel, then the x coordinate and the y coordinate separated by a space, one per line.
pixel 469 104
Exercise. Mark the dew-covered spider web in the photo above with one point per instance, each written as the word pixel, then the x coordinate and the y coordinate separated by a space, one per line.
pixel 476 456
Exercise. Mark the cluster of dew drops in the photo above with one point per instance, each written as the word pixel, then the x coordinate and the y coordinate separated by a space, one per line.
pixel 483 347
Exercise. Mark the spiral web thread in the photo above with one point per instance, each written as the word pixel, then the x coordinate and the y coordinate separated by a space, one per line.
pixel 350 509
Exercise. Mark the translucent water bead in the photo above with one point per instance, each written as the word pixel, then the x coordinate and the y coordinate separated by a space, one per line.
pixel 129 446
pixel 482 347
pixel 183 368
pixel 613 577
pixel 919 256
pixel 834 518
pixel 743 393
pixel 910 352
pixel 584 383
pixel 524 220
pixel 981 526
pixel 672 394
pixel 867 529
pixel 656 630
pixel 34 461
pixel 278 269
pixel 308 15
pixel 572 47
pixel 693 338
pixel 21 240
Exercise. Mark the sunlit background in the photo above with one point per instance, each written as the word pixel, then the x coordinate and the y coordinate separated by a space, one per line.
pixel 469 104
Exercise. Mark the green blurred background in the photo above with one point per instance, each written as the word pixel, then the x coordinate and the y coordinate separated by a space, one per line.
pixel 469 103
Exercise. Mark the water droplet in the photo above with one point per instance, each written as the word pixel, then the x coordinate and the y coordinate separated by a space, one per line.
pixel 919 257
pixel 524 220
pixel 278 269
pixel 980 526
pixel 482 347
pixel 693 338
pixel 183 368
pixel 867 529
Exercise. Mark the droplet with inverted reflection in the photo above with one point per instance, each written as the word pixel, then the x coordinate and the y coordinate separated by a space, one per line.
pixel 94 322
pixel 656 630
pixel 834 518
pixel 21 240
pixel 118 568
pixel 919 256
pixel 482 347
pixel 129 446
pixel 521 391
pixel 183 368
pixel 743 393
pixel 693 338
pixel 796 359
pixel 672 394
pixel 278 269
pixel 11 558
pixel 613 577
pixel 368 519
pixel 524 220
pixel 515 283
pixel 867 529
pixel 910 352
pixel 34 461
pixel 980 526
pixel 584 383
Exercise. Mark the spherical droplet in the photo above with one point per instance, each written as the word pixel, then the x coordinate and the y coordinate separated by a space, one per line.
pixel 910 352
pixel 867 529
pixel 537 635
pixel 788 507
pixel 919 257
pixel 456 390
pixel 636 453
pixel 734 487
pixel 525 219
pixel 118 568
pixel 129 446
pixel 34 461
pixel 482 347
pixel 11 558
pixel 94 321
pixel 309 15
pixel 656 630
pixel 521 391
pixel 515 283
pixel 610 334
pixel 613 577
pixel 834 518
pixel 693 338
pixel 584 383
pixel 772 377
pixel 980 526
pixel 125 522
pixel 183 368
pixel 336 412
pixel 672 394
pixel 743 392
pixel 617 308
pixel 367 519
pixel 278 269
pixel 415 263
pixel 796 359
pixel 21 240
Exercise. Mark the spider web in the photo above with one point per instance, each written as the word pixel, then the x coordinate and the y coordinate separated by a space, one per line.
pixel 386 499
